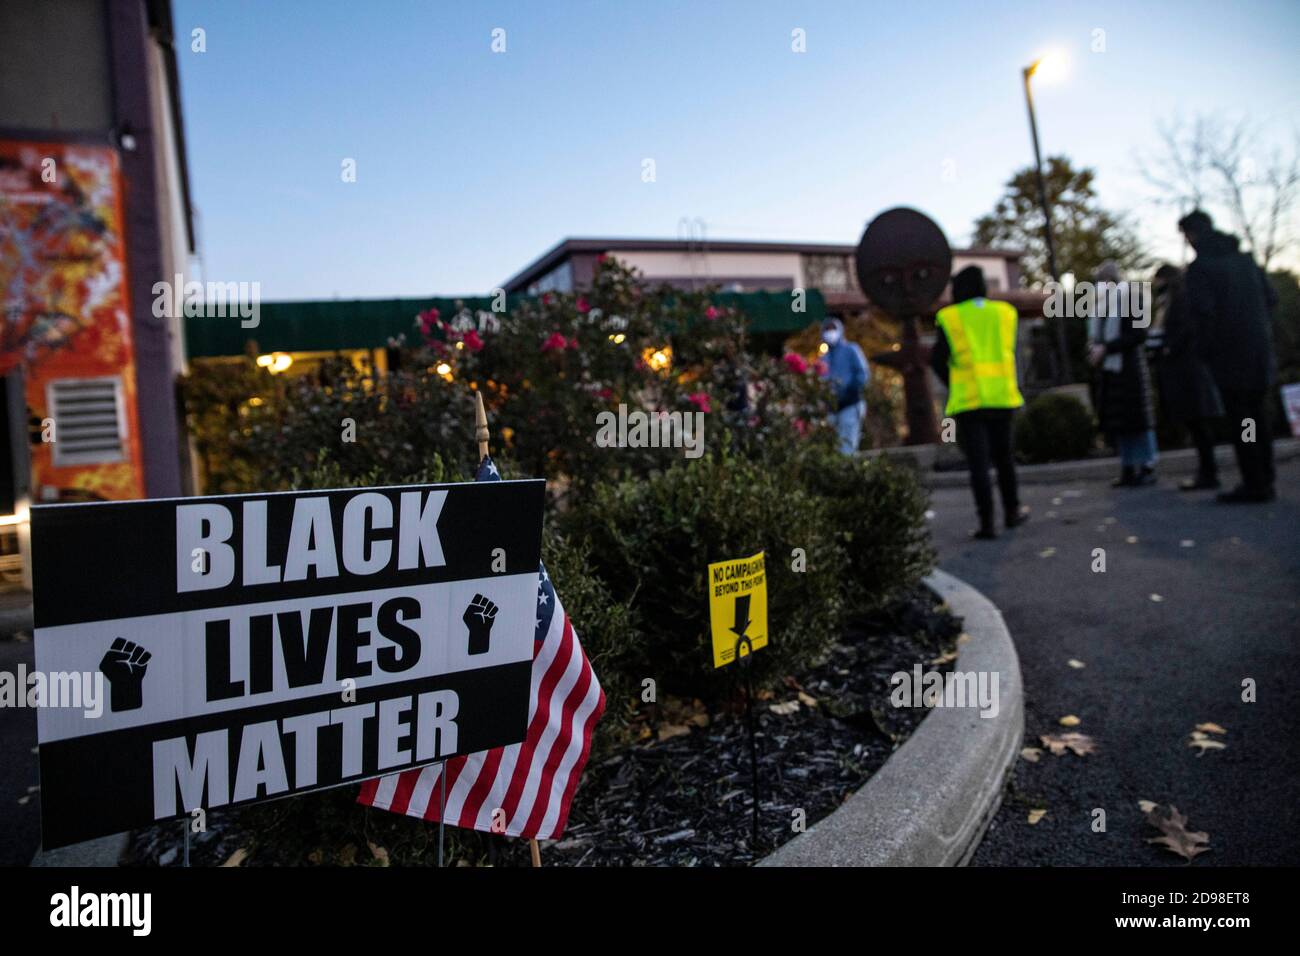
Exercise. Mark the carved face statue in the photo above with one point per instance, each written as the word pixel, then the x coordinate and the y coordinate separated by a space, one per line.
pixel 903 262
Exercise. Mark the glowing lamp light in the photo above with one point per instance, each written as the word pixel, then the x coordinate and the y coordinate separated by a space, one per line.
pixel 618 338
pixel 275 362
pixel 444 370
pixel 1051 67
pixel 658 358
pixel 823 348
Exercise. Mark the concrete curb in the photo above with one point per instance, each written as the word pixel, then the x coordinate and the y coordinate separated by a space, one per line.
pixel 15 617
pixel 931 802
pixel 1178 463
pixel 105 851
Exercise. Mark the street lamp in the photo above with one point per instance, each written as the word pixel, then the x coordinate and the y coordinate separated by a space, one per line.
pixel 1048 67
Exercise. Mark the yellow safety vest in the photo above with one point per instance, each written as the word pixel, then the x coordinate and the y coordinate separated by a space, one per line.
pixel 982 362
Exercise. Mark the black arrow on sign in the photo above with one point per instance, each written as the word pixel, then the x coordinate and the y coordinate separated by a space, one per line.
pixel 742 616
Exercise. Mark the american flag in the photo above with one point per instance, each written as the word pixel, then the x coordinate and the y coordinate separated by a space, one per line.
pixel 523 790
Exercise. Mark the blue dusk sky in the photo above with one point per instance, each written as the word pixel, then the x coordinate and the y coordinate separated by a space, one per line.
pixel 470 163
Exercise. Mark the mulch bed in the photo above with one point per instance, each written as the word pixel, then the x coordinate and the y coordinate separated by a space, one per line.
pixel 681 795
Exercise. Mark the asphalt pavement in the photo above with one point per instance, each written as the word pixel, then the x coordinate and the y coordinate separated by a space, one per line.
pixel 20 806
pixel 1196 598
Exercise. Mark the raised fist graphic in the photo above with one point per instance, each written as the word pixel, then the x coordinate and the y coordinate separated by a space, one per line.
pixel 124 665
pixel 479 617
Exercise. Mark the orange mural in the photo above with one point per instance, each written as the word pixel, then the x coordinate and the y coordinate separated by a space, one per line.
pixel 66 321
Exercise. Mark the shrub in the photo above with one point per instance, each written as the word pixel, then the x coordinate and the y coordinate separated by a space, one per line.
pixel 876 509
pixel 651 542
pixel 1054 427
pixel 259 432
pixel 604 624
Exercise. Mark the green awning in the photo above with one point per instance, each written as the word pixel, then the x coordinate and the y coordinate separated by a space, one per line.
pixel 335 325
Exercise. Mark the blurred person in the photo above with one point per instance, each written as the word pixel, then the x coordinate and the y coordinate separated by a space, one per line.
pixel 1230 301
pixel 848 374
pixel 1188 394
pixel 1125 407
pixel 974 355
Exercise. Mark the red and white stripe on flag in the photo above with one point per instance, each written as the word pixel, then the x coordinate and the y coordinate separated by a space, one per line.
pixel 523 790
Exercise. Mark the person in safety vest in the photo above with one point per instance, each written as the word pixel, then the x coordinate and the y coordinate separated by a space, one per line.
pixel 974 354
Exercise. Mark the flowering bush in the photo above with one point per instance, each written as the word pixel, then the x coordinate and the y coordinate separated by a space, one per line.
pixel 547 369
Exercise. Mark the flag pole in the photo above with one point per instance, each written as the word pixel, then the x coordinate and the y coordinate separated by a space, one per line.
pixel 480 426
pixel 481 436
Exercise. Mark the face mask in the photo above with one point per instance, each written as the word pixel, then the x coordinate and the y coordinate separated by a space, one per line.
pixel 831 336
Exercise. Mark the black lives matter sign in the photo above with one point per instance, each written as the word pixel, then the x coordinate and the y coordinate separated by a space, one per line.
pixel 254 646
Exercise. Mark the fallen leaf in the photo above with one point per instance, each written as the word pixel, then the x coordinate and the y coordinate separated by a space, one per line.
pixel 1205 743
pixel 1210 728
pixel 963 638
pixel 1036 815
pixel 785 708
pixel 1056 501
pixel 1132 539
pixel 22 801
pixel 1157 598
pixel 237 858
pixel 1077 665
pixel 1047 552
pixel 1069 720
pixel 316 857
pixel 1031 753
pixel 808 700
pixel 1146 806
pixel 348 855
pixel 669 731
pixel 945 657
pixel 379 853
pixel 1111 520
pixel 1187 543
pixel 1080 744
pixel 1174 834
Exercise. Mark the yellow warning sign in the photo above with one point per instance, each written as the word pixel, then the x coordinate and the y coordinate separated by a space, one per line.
pixel 737 607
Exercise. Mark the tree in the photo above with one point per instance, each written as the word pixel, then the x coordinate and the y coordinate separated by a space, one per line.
pixel 1211 163
pixel 1086 234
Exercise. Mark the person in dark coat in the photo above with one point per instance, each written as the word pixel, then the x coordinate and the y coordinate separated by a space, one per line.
pixel 1188 394
pixel 1125 406
pixel 1230 301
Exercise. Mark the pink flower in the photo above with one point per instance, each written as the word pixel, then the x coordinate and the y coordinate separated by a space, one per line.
pixel 602 257
pixel 546 298
pixel 711 313
pixel 701 401
pixel 801 426
pixel 795 362
pixel 605 393
pixel 583 305
pixel 555 341
pixel 820 368
pixel 428 319
pixel 472 341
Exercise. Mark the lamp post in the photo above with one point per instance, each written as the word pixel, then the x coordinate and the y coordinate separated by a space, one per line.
pixel 1063 356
